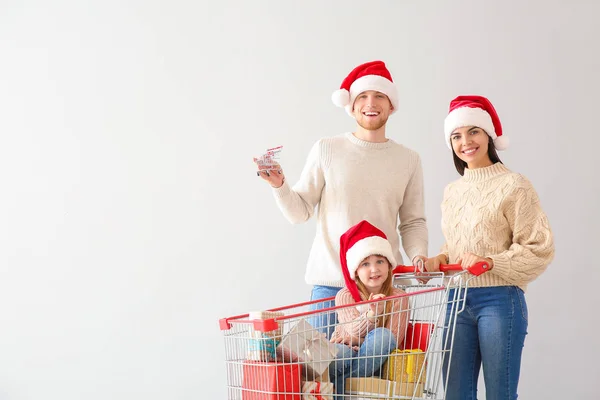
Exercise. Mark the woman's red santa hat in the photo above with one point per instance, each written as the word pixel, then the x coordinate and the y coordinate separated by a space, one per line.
pixel 369 76
pixel 474 111
pixel 359 242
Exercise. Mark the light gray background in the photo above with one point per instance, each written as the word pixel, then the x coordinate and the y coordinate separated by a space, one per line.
pixel 131 215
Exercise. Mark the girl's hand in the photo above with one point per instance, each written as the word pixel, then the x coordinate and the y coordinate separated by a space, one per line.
pixel 337 339
pixel 470 259
pixel 376 308
pixel 347 340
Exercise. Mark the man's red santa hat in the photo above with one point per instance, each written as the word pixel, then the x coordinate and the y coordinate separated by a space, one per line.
pixel 369 76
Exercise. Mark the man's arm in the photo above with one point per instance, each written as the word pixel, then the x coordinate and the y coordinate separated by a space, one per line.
pixel 298 202
pixel 413 224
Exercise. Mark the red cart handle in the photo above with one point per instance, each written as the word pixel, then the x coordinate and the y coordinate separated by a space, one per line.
pixel 475 269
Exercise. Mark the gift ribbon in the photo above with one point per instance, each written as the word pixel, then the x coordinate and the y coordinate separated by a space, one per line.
pixel 317 391
pixel 306 351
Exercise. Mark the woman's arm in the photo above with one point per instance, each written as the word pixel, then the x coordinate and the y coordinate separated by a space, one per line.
pixel 532 247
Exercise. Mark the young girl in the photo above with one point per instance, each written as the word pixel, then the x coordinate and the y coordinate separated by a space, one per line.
pixel 494 215
pixel 366 334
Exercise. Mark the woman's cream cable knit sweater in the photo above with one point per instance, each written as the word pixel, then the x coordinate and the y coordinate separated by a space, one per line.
pixel 496 213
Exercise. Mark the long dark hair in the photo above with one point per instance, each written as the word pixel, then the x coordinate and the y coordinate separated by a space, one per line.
pixel 492 153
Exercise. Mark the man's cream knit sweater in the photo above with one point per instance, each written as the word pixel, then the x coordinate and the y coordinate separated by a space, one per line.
pixel 351 180
pixel 496 213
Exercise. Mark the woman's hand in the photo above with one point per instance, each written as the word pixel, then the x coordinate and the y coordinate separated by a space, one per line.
pixel 433 264
pixel 470 259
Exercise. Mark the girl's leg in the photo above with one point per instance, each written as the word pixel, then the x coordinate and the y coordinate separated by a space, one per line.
pixel 502 331
pixel 373 353
pixel 464 361
pixel 340 368
pixel 323 321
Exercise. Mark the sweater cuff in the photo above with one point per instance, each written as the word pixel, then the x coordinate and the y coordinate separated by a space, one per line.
pixel 414 251
pixel 502 266
pixel 281 191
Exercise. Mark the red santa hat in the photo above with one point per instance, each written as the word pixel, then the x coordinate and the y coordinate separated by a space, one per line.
pixel 359 242
pixel 369 76
pixel 474 111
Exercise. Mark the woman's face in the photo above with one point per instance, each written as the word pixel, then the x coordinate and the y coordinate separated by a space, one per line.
pixel 470 143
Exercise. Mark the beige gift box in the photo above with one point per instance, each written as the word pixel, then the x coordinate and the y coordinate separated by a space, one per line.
pixel 261 346
pixel 381 388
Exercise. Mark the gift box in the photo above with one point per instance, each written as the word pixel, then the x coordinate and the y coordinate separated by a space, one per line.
pixel 262 345
pixel 312 390
pixel 271 381
pixel 405 366
pixel 417 336
pixel 381 388
pixel 308 346
pixel 371 387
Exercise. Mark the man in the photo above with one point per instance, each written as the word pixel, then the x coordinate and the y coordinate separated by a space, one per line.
pixel 354 176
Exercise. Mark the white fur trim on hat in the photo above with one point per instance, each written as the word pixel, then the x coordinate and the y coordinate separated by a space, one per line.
pixel 372 82
pixel 372 245
pixel 468 116
pixel 501 143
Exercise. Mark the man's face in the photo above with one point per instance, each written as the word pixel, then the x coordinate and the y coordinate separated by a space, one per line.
pixel 371 110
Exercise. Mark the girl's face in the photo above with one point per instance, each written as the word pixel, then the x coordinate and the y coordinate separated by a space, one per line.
pixel 372 272
pixel 470 144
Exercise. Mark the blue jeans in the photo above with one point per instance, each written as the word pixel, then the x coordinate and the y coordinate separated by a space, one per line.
pixel 490 331
pixel 365 362
pixel 324 321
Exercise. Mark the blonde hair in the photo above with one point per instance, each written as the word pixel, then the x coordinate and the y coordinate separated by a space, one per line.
pixel 386 290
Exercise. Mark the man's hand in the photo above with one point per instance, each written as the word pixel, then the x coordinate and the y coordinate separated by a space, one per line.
pixel 273 174
pixel 419 262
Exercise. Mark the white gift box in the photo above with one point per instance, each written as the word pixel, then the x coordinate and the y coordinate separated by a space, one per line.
pixel 312 390
pixel 307 345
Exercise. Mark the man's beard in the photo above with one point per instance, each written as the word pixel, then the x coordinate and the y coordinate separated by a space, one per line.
pixel 372 125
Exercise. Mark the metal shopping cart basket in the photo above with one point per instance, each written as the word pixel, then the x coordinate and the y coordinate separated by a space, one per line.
pixel 401 350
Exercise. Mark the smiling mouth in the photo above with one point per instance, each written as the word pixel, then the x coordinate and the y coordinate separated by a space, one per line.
pixel 470 151
pixel 370 113
pixel 375 277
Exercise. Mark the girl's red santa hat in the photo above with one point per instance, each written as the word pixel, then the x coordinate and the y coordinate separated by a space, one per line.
pixel 359 242
pixel 373 75
pixel 474 111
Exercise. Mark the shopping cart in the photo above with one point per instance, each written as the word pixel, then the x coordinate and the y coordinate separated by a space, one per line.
pixel 279 354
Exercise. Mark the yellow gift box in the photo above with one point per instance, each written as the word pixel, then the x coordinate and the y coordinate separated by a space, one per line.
pixel 405 366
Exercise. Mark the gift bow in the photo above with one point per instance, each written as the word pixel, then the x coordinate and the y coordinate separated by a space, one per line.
pixel 317 391
pixel 309 341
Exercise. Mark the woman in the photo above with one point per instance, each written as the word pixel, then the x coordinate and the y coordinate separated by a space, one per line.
pixel 494 215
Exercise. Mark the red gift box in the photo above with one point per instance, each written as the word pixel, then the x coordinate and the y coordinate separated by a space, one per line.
pixel 417 336
pixel 271 381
